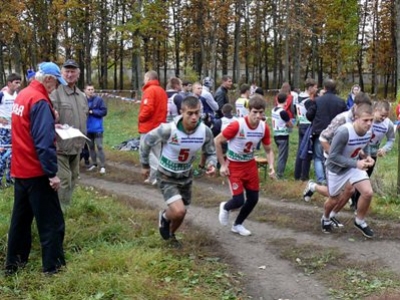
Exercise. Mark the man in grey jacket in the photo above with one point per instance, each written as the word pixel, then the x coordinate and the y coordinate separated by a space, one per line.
pixel 221 95
pixel 72 108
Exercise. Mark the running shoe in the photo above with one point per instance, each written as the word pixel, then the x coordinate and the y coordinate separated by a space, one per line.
pixel 365 229
pixel 163 226
pixel 336 223
pixel 326 226
pixel 240 229
pixel 308 192
pixel 174 243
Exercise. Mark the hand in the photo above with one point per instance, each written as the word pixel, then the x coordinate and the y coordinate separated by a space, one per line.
pixel 362 164
pixel 224 171
pixel 381 152
pixel 370 161
pixel 58 126
pixel 55 183
pixel 145 173
pixel 3 121
pixel 210 170
pixel 271 173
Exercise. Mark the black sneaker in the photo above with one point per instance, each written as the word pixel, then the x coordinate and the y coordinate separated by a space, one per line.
pixel 364 228
pixel 163 226
pixel 307 194
pixel 174 243
pixel 326 226
pixel 336 223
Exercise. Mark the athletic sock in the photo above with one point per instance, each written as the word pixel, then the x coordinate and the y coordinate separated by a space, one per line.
pixel 332 214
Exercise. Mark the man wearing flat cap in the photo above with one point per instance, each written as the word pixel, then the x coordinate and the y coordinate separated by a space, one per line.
pixel 71 104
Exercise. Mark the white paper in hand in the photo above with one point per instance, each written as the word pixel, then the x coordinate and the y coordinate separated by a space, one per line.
pixel 67 132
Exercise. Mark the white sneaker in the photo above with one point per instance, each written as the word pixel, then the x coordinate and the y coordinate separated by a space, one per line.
pixel 103 171
pixel 92 167
pixel 154 182
pixel 223 216
pixel 241 230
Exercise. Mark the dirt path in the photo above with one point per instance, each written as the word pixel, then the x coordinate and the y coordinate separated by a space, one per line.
pixel 279 279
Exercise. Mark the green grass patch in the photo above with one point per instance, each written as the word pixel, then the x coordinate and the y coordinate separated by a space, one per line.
pixel 345 279
pixel 115 252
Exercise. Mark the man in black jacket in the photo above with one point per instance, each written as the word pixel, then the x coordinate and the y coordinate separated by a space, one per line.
pixel 221 95
pixel 321 113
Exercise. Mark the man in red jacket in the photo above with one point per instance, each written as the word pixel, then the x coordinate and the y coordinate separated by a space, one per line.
pixel 153 112
pixel 34 167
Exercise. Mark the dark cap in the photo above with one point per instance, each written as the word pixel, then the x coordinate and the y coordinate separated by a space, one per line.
pixel 70 63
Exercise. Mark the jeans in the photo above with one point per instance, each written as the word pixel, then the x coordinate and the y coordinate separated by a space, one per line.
pixel 302 166
pixel 283 152
pixel 319 161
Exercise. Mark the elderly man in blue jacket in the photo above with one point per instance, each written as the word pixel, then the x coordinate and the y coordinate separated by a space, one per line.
pixel 95 129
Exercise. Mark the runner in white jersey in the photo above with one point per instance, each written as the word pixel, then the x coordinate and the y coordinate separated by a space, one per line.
pixel 346 165
pixel 240 166
pixel 181 140
pixel 242 103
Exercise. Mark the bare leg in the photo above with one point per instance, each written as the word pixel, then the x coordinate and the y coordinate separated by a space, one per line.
pixel 344 198
pixel 365 189
pixel 175 213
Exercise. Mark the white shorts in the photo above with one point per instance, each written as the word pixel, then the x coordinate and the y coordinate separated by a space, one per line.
pixel 337 182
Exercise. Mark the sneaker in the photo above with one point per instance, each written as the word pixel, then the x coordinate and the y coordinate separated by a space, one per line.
pixel 336 223
pixel 154 182
pixel 223 216
pixel 241 230
pixel 103 170
pixel 364 228
pixel 92 167
pixel 174 243
pixel 307 193
pixel 163 226
pixel 326 226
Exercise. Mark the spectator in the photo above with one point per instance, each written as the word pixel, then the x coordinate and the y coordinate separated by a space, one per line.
pixel 95 129
pixel 221 95
pixel 209 103
pixel 186 89
pixel 355 89
pixel 34 166
pixel 71 105
pixel 7 98
pixel 152 112
pixel 321 112
pixel 174 87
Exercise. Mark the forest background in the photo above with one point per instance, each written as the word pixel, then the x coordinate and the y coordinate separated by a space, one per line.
pixel 266 41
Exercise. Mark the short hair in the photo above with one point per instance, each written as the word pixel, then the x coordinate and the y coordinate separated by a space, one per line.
pixel 363 108
pixel 226 78
pixel 174 83
pixel 309 83
pixel 186 82
pixel 362 98
pixel 227 109
pixel 285 88
pixel 282 98
pixel 257 102
pixel 13 76
pixel 330 85
pixel 244 88
pixel 152 75
pixel 190 102
pixel 259 91
pixel 88 84
pixel 382 105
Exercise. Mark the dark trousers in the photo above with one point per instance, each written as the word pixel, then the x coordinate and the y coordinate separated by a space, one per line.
pixel 302 166
pixel 34 197
pixel 282 142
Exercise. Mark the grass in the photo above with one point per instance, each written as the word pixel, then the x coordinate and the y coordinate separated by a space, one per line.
pixel 115 252
pixel 345 279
